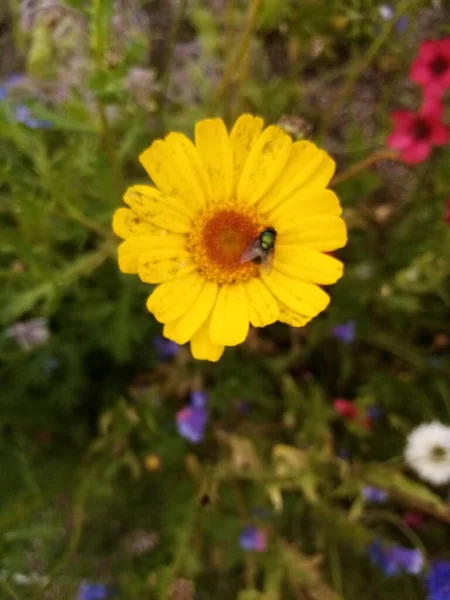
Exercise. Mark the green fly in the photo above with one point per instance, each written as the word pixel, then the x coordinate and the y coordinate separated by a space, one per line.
pixel 261 249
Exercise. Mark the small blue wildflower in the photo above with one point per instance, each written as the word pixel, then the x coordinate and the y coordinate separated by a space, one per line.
pixel 396 559
pixel 387 13
pixel 165 348
pixel 374 494
pixel 198 399
pixel 92 591
pixel 191 420
pixel 438 581
pixel 346 332
pixel 253 539
pixel 3 92
pixel 375 412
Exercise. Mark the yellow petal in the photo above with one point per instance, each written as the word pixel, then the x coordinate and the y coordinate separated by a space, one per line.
pixel 182 330
pixel 173 298
pixel 264 164
pixel 130 251
pixel 292 318
pixel 201 346
pixel 229 318
pixel 302 206
pixel 156 266
pixel 213 145
pixel 298 296
pixel 243 136
pixel 307 168
pixel 176 169
pixel 165 212
pixel 324 233
pixel 263 309
pixel 307 264
pixel 128 224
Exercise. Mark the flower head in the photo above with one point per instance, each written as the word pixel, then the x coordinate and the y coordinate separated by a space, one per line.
pixel 432 66
pixel 438 581
pixel 428 452
pixel 253 539
pixel 374 494
pixel 415 134
pixel 346 332
pixel 345 408
pixel 396 559
pixel 235 232
pixel 191 420
pixel 29 334
pixel 165 348
pixel 92 591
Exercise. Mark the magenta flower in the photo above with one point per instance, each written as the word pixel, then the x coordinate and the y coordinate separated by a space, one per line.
pixel 415 134
pixel 431 69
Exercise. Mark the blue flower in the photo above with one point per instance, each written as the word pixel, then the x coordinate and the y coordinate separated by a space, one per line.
pixel 375 412
pixel 396 559
pixel 346 332
pixel 198 399
pixel 253 539
pixel 92 591
pixel 374 494
pixel 438 581
pixel 165 348
pixel 191 422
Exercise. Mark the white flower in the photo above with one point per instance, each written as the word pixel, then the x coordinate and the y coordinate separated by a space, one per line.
pixel 428 452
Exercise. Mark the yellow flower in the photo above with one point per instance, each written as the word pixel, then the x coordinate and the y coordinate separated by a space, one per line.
pixel 211 202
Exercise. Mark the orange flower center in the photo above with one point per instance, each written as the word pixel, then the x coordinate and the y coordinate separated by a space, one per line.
pixel 219 238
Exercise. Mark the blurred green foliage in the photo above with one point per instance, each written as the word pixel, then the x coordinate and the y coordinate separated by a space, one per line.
pixel 81 415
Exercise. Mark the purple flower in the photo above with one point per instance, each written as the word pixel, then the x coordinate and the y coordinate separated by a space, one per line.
pixel 253 539
pixel 191 422
pixel 198 399
pixel 29 334
pixel 346 332
pixel 165 348
pixel 92 591
pixel 374 494
pixel 438 581
pixel 396 559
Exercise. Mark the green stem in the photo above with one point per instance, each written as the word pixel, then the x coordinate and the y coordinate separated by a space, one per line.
pixel 8 589
pixel 171 46
pixel 361 66
pixel 111 148
pixel 362 165
pixel 236 61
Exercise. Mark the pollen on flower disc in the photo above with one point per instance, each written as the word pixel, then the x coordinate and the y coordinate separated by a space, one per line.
pixel 218 240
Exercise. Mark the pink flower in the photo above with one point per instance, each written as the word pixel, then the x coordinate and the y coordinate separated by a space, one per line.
pixel 432 66
pixel 415 134
pixel 345 408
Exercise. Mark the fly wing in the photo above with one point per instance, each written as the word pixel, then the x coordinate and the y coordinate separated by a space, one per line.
pixel 268 262
pixel 252 252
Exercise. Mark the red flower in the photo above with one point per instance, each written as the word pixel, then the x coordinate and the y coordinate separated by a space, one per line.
pixel 432 66
pixel 415 134
pixel 345 408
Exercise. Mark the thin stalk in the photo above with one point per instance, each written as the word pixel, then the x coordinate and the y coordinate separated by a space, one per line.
pixel 236 61
pixel 362 165
pixel 171 45
pixel 361 66
pixel 8 589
